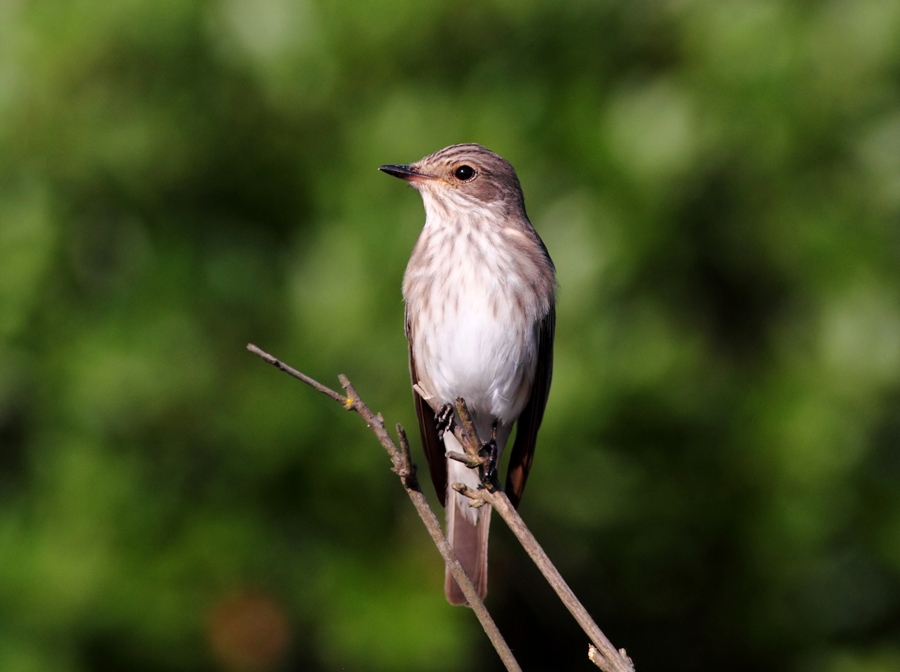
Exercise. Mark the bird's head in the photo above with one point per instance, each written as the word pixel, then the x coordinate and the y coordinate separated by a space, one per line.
pixel 465 175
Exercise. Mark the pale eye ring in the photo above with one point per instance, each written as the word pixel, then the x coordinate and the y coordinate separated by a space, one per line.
pixel 464 173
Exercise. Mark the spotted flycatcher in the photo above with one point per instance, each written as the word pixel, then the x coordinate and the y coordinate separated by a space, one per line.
pixel 480 316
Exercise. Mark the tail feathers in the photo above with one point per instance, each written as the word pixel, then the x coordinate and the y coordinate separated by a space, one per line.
pixel 468 535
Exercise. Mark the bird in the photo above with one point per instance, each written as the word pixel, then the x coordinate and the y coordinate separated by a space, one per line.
pixel 480 309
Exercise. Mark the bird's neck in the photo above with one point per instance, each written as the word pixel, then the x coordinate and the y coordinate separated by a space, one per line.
pixel 458 213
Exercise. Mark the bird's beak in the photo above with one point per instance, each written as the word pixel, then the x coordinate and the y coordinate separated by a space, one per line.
pixel 405 173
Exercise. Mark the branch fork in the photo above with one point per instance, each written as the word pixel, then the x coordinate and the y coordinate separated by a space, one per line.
pixel 601 651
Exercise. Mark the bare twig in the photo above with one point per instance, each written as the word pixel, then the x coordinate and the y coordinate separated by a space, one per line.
pixel 404 467
pixel 278 364
pixel 615 661
pixel 607 657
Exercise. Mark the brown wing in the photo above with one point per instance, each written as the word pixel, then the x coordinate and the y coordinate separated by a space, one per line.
pixel 530 421
pixel 431 443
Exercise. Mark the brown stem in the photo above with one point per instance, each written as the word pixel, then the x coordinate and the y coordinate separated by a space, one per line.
pixel 616 661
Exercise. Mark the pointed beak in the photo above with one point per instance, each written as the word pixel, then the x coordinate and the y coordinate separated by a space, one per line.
pixel 405 173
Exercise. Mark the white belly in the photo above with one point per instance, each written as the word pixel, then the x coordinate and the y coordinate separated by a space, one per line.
pixel 480 346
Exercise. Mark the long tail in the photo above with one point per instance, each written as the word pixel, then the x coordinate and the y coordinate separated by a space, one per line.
pixel 467 532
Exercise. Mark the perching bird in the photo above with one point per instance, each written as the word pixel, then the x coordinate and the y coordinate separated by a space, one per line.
pixel 480 316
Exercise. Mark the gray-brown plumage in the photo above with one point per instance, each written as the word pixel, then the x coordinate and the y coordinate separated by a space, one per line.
pixel 480 316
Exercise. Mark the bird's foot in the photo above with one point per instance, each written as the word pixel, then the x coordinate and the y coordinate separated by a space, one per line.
pixel 443 418
pixel 491 456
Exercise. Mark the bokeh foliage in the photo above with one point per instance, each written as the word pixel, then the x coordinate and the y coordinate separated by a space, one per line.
pixel 719 471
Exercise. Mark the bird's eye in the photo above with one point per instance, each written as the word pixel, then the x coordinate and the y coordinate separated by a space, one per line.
pixel 464 173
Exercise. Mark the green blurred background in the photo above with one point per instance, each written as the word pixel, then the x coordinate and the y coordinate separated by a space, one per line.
pixel 718 476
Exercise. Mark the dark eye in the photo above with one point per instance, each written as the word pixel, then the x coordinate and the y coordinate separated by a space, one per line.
pixel 464 173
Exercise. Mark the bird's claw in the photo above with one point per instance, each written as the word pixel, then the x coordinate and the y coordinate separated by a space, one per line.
pixel 443 418
pixel 491 456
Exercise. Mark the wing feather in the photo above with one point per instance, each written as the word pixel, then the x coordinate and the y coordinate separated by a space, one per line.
pixel 529 422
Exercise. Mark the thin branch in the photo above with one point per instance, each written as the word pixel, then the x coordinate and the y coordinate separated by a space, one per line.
pixel 404 467
pixel 278 364
pixel 616 660
pixel 608 658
